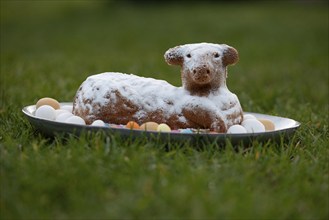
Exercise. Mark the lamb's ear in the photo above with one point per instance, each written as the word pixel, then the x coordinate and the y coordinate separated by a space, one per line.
pixel 174 56
pixel 230 56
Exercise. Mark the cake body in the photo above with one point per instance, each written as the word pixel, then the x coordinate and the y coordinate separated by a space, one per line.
pixel 118 98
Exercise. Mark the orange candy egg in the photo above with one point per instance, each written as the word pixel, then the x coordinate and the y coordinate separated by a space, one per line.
pixel 132 125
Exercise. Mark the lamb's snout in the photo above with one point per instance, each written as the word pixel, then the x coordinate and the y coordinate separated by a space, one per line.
pixel 201 70
pixel 201 74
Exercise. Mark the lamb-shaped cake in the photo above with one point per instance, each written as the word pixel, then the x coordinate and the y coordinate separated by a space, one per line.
pixel 203 101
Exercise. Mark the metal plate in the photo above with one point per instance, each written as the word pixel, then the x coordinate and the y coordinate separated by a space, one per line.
pixel 284 128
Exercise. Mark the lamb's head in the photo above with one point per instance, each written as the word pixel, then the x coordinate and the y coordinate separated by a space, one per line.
pixel 203 65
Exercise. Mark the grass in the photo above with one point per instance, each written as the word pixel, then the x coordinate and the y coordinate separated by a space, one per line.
pixel 48 49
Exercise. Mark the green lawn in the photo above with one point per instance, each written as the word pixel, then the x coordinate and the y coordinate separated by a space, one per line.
pixel 49 47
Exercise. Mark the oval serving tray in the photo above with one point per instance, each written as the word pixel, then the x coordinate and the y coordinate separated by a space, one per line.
pixel 284 127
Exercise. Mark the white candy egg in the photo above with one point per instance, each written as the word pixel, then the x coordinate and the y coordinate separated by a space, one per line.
pixel 253 126
pixel 98 123
pixel 60 111
pixel 248 116
pixel 67 107
pixel 46 112
pixel 62 117
pixel 75 120
pixel 236 129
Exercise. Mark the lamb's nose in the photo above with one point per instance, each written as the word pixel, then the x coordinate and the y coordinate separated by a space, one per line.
pixel 201 70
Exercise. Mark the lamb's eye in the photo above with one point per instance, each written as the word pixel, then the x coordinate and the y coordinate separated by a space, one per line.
pixel 216 55
pixel 188 55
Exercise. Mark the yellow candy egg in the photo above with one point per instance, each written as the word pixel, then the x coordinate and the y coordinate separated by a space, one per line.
pixel 163 128
pixel 48 101
pixel 269 125
pixel 149 126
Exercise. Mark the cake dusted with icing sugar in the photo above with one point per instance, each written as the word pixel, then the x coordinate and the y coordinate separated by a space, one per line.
pixel 203 101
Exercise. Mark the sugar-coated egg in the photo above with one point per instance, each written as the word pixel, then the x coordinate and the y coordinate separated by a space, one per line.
pixel 149 126
pixel 64 116
pixel 98 123
pixel 253 126
pixel 236 129
pixel 248 116
pixel 67 107
pixel 163 128
pixel 269 125
pixel 48 101
pixel 46 112
pixel 75 120
pixel 132 125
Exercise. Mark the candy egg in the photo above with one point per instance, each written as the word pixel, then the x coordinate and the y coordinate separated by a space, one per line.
pixel 75 120
pixel 46 112
pixel 98 123
pixel 62 117
pixel 114 126
pixel 269 125
pixel 132 125
pixel 163 128
pixel 60 111
pixel 248 116
pixel 48 101
pixel 67 107
pixel 253 126
pixel 186 131
pixel 236 129
pixel 149 126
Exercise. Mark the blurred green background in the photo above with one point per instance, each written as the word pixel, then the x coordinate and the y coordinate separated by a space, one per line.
pixel 48 48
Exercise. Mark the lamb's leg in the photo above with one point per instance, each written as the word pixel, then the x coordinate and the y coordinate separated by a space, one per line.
pixel 204 118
